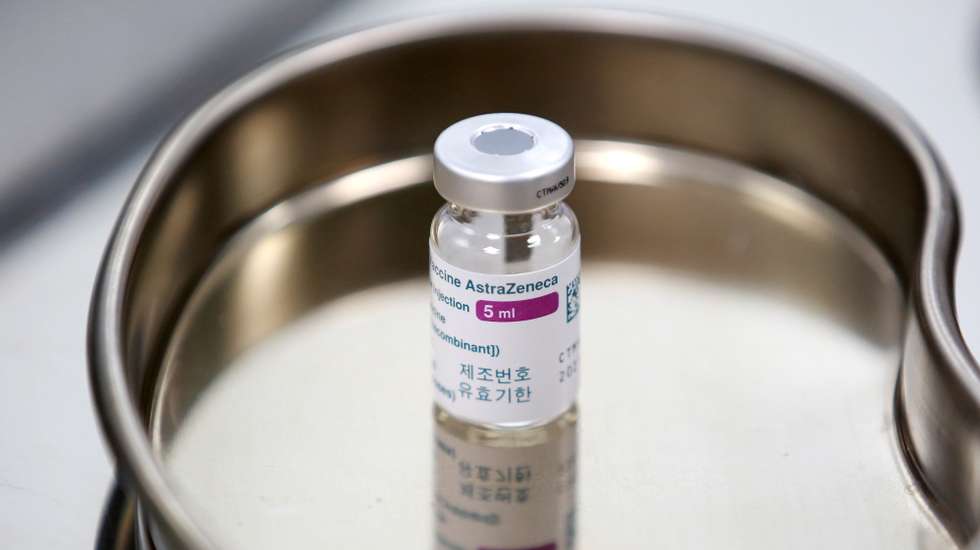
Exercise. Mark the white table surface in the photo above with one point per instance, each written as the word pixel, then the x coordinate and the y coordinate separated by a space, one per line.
pixel 54 469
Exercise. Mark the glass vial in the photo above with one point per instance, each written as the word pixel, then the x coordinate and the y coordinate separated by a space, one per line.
pixel 504 266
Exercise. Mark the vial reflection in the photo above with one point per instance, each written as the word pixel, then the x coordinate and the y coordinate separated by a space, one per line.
pixel 505 489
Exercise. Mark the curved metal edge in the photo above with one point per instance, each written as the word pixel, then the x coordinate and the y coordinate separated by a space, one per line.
pixel 116 528
pixel 937 510
pixel 940 374
pixel 931 294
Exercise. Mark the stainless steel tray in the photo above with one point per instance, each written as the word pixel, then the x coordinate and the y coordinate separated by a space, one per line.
pixel 770 358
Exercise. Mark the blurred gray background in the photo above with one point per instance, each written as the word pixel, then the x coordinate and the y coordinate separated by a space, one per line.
pixel 89 88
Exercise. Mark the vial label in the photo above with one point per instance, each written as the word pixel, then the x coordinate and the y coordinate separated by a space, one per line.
pixel 505 348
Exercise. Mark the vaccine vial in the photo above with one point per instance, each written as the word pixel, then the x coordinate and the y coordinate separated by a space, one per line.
pixel 504 266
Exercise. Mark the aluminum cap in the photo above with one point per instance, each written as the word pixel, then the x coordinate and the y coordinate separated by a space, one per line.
pixel 504 162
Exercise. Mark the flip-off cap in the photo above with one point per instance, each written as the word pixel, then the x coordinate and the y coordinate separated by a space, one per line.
pixel 504 162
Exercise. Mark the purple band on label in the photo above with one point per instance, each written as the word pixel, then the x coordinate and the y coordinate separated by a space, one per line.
pixel 518 310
